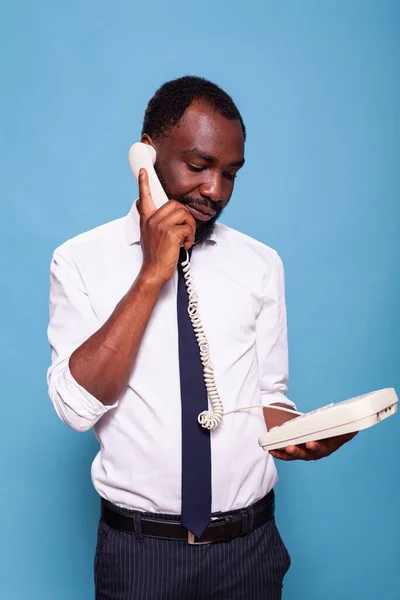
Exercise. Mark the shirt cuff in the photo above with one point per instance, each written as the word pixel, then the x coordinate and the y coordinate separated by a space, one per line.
pixel 79 409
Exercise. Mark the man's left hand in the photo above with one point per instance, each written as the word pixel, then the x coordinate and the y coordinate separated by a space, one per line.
pixel 313 450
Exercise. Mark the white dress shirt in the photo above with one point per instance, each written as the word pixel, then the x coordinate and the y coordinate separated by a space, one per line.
pixel 240 286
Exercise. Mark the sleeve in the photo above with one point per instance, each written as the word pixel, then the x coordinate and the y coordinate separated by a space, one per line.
pixel 271 339
pixel 72 321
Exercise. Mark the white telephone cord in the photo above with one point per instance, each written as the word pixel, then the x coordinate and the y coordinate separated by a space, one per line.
pixel 289 410
pixel 207 419
pixel 210 419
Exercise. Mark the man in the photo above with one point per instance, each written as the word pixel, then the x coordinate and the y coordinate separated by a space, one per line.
pixel 124 362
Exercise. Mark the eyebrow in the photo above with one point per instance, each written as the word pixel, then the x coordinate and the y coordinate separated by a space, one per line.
pixel 210 159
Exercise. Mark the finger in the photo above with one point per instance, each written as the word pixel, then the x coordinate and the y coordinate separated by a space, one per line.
pixel 184 235
pixel 169 208
pixel 146 204
pixel 299 453
pixel 313 446
pixel 337 442
pixel 329 445
pixel 281 455
pixel 342 439
pixel 178 217
pixel 173 210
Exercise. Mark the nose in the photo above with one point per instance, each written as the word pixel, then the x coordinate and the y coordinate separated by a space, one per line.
pixel 212 188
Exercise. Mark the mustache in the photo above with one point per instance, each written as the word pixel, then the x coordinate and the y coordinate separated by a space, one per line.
pixel 201 202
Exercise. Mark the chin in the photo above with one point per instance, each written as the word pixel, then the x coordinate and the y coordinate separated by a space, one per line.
pixel 204 230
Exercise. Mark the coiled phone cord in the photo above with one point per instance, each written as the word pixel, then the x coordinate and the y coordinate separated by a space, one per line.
pixel 209 419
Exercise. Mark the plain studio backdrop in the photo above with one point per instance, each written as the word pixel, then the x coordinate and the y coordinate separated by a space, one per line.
pixel 317 83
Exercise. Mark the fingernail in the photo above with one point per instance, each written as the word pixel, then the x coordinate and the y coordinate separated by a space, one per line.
pixel 291 451
pixel 313 447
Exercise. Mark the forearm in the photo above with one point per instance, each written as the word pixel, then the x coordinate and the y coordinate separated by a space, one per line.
pixel 103 363
pixel 274 418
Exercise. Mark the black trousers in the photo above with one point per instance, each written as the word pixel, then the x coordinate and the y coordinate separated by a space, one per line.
pixel 129 566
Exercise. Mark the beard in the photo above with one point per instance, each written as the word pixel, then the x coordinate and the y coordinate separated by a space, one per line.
pixel 204 229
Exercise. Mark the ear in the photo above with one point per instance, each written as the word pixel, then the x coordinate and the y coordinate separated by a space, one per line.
pixel 146 139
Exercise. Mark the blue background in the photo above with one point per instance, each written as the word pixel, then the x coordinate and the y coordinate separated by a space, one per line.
pixel 318 86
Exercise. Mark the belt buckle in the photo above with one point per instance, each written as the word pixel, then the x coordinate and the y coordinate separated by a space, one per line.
pixel 192 540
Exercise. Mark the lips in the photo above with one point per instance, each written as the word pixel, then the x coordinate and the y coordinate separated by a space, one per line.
pixel 201 212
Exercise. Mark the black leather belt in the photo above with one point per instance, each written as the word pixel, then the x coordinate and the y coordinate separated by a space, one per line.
pixel 221 529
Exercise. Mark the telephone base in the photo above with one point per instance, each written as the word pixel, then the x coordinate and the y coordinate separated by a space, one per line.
pixel 332 420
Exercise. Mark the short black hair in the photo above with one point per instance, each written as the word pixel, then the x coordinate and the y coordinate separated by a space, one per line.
pixel 169 103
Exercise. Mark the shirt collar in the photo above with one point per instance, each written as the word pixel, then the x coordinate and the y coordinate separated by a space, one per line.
pixel 132 229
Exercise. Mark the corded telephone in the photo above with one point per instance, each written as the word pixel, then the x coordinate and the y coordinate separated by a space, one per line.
pixel 144 156
pixel 343 417
pixel 348 416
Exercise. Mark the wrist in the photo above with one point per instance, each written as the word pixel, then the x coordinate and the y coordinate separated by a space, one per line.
pixel 149 280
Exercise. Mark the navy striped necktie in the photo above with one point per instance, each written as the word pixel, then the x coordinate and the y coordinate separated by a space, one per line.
pixel 196 446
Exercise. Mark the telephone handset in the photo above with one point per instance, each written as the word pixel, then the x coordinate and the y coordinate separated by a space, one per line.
pixel 144 156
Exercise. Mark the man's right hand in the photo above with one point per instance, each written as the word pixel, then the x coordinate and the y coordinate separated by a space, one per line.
pixel 163 232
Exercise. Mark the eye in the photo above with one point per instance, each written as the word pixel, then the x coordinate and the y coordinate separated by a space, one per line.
pixel 193 168
pixel 230 176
